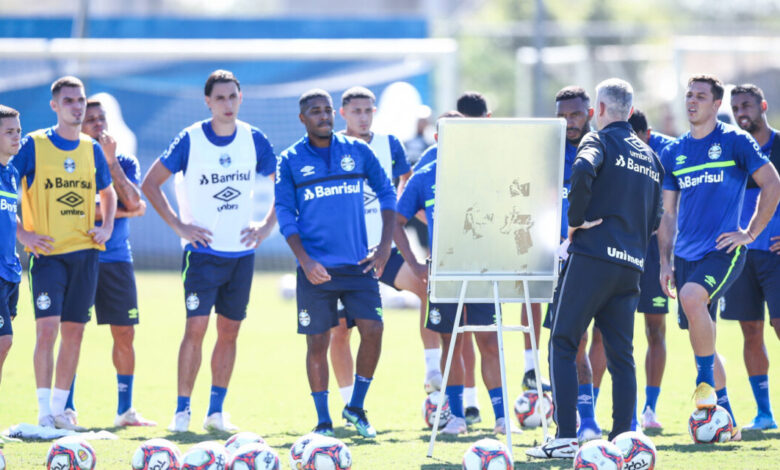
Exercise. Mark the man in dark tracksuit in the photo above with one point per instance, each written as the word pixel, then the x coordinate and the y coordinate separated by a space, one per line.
pixel 614 206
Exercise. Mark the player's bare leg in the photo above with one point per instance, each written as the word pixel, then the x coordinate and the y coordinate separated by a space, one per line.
pixel 701 331
pixel 655 363
pixel 529 377
pixel 224 356
pixel 123 353
pixel 776 325
pixel 316 361
pixel 46 330
pixel 341 358
pixel 367 359
pixel 453 390
pixel 5 346
pixel 470 403
pixel 757 365
pixel 65 369
pixel 190 353
pixel 598 361
pixel 487 342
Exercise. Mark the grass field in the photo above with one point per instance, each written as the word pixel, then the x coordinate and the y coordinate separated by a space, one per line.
pixel 269 393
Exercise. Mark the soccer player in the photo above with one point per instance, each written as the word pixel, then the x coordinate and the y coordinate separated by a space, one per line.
pixel 760 279
pixel 215 162
pixel 358 105
pixel 61 169
pixel 706 172
pixel 614 206
pixel 116 300
pixel 319 202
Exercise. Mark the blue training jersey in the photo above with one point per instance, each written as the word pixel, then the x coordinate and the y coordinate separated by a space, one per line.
pixel 569 154
pixel 772 229
pixel 319 195
pixel 420 193
pixel 710 174
pixel 658 141
pixel 430 155
pixel 118 246
pixel 10 267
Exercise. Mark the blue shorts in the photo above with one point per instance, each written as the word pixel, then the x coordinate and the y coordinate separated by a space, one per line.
pixel 652 298
pixel 217 281
pixel 758 283
pixel 716 272
pixel 9 296
pixel 441 317
pixel 116 300
pixel 392 267
pixel 317 304
pixel 64 285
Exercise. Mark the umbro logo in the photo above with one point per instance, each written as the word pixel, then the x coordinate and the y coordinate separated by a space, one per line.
pixel 635 142
pixel 368 197
pixel 71 199
pixel 308 170
pixel 710 280
pixel 227 194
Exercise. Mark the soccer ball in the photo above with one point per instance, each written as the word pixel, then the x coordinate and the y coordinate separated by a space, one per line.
pixel 710 425
pixel 157 454
pixel 296 451
pixel 70 453
pixel 525 409
pixel 326 453
pixel 598 454
pixel 487 454
pixel 638 450
pixel 254 456
pixel 209 455
pixel 237 440
pixel 429 409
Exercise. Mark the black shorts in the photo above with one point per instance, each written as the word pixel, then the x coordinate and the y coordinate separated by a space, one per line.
pixel 716 272
pixel 219 282
pixel 392 267
pixel 441 317
pixel 64 285
pixel 9 296
pixel 758 283
pixel 116 300
pixel 652 298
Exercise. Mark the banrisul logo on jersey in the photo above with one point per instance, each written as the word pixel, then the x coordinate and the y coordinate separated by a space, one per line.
pixel 319 191
pixel 223 178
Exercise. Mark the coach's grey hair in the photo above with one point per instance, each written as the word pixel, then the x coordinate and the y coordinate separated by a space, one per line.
pixel 617 95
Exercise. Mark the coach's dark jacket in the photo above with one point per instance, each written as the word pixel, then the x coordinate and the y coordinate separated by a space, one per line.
pixel 615 177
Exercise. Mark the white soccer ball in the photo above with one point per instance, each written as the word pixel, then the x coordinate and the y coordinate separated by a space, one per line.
pixel 209 455
pixel 326 453
pixel 710 425
pixel 638 450
pixel 598 454
pixel 156 454
pixel 487 454
pixel 429 409
pixel 237 440
pixel 254 456
pixel 296 451
pixel 287 286
pixel 525 409
pixel 70 453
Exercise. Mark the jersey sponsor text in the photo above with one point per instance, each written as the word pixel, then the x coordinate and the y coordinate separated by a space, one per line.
pixel 623 255
pixel 690 181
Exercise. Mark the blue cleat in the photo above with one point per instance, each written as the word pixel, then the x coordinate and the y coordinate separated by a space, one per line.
pixel 588 431
pixel 357 416
pixel 324 429
pixel 761 422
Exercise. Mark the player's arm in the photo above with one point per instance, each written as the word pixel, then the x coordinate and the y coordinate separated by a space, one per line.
pixel 401 168
pixel 667 232
pixel 584 170
pixel 123 213
pixel 37 244
pixel 24 162
pixel 128 193
pixel 254 235
pixel 409 204
pixel 102 233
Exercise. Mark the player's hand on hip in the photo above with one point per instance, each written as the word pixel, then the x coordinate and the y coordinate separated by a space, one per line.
pixel 315 272
pixel 37 244
pixel 775 247
pixel 254 235
pixel 377 259
pixel 100 234
pixel 585 225
pixel 732 240
pixel 108 144
pixel 667 281
pixel 195 235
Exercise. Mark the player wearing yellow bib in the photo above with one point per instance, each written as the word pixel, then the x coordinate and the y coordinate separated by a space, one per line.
pixel 61 169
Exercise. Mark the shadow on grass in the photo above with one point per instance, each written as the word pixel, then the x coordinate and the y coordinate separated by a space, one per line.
pixel 689 448
pixel 760 435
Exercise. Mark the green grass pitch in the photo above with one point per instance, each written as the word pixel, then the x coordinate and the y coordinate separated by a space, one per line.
pixel 269 393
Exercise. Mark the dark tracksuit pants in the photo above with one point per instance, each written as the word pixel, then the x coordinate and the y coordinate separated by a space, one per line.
pixel 609 292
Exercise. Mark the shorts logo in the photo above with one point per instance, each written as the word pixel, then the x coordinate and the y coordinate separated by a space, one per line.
pixel 2 322
pixel 69 165
pixel 714 152
pixel 379 312
pixel 304 319
pixel 347 163
pixel 710 280
pixel 192 301
pixel 224 160
pixel 434 316
pixel 308 170
pixel 71 199
pixel 43 302
pixel 659 301
pixel 132 313
pixel 722 304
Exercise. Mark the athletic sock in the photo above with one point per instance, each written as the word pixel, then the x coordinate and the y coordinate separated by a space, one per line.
pixel 595 396
pixel 58 399
pixel 529 359
pixel 359 392
pixel 124 387
pixel 470 397
pixel 585 401
pixel 182 404
pixel 216 400
pixel 455 396
pixel 346 393
pixel 723 400
pixel 760 386
pixel 651 397
pixel 705 367
pixel 432 360
pixel 497 400
pixel 69 404
pixel 44 400
pixel 321 404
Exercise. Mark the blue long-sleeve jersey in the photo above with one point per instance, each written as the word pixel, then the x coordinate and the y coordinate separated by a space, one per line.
pixel 319 195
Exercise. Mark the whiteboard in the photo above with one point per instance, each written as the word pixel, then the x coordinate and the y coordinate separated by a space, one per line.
pixel 497 208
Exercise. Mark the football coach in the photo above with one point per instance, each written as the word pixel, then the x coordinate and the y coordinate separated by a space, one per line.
pixel 614 207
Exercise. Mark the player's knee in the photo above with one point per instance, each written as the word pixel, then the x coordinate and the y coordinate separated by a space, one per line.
pixel 487 343
pixel 693 298
pixel 597 338
pixel 318 344
pixel 72 333
pixel 339 334
pixel 123 335
pixel 655 333
pixel 5 344
pixel 753 332
pixel 371 330
pixel 776 325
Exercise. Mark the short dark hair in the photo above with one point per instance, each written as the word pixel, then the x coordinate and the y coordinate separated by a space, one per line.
pixel 751 90
pixel 220 76
pixel 93 102
pixel 638 121
pixel 716 86
pixel 448 114
pixel 66 81
pixel 8 112
pixel 571 92
pixel 310 95
pixel 357 92
pixel 472 104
